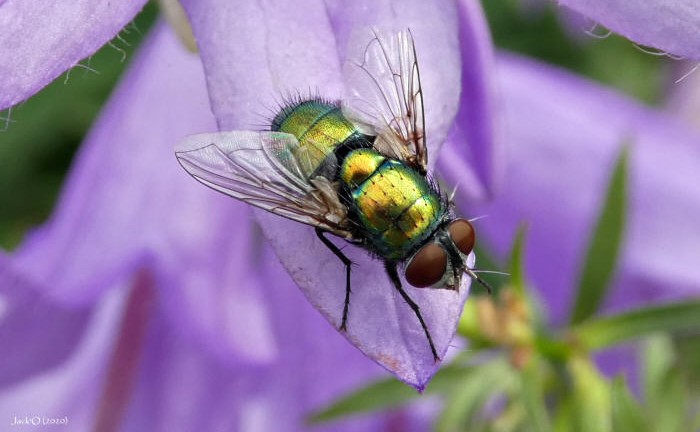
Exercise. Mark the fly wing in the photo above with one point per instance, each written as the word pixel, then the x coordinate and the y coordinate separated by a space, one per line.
pixel 260 168
pixel 383 96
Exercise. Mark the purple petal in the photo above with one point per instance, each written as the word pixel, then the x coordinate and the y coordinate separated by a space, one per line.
pixel 564 135
pixel 39 334
pixel 437 53
pixel 64 352
pixel 40 40
pixel 683 97
pixel 314 367
pixel 253 53
pixel 671 26
pixel 380 323
pixel 123 205
pixel 127 205
pixel 475 124
pixel 166 376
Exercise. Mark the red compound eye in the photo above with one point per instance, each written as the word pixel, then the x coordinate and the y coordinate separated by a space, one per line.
pixel 427 267
pixel 462 233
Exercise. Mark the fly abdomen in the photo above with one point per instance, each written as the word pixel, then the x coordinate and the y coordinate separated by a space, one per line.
pixel 395 206
pixel 320 128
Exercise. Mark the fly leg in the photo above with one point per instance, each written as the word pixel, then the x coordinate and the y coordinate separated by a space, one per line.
pixel 394 276
pixel 346 261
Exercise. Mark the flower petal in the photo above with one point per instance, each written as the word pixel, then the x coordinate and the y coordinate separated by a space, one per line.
pixel 174 377
pixel 252 52
pixel 40 334
pixel 40 40
pixel 53 345
pixel 128 205
pixel 668 26
pixel 564 135
pixel 683 97
pixel 436 49
pixel 476 124
pixel 179 381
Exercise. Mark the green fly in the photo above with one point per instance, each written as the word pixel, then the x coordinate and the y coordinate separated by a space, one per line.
pixel 356 169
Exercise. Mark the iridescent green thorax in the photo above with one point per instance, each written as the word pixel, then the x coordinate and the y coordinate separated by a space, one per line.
pixel 395 205
pixel 320 128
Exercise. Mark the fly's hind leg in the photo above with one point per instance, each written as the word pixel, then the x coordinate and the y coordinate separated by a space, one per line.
pixel 346 261
pixel 394 276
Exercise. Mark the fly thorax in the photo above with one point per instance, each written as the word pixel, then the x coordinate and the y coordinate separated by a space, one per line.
pixel 394 204
pixel 359 165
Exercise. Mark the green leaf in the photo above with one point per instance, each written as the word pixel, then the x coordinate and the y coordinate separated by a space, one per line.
pixel 663 385
pixel 376 396
pixel 564 413
pixel 511 419
pixel 657 359
pixel 591 397
pixel 604 246
pixel 606 331
pixel 553 350
pixel 670 413
pixel 627 413
pixel 687 347
pixel 518 281
pixel 517 264
pixel 385 394
pixel 469 325
pixel 532 396
pixel 472 391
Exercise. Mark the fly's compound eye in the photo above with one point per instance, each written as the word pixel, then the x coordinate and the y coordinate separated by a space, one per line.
pixel 427 266
pixel 462 234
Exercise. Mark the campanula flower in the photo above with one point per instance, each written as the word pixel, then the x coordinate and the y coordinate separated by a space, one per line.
pixel 133 222
pixel 177 317
pixel 173 298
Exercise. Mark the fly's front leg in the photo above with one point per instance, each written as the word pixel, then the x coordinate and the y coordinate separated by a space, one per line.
pixel 394 276
pixel 346 261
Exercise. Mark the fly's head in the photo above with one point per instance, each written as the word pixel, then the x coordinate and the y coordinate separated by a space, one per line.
pixel 442 260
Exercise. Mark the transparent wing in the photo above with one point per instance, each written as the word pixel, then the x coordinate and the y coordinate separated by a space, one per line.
pixel 383 96
pixel 260 169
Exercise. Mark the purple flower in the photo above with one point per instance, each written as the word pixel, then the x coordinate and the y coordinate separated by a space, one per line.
pixel 40 40
pixel 179 311
pixel 683 98
pixel 564 135
pixel 380 323
pixel 169 275
pixel 671 26
pixel 47 40
pixel 156 302
pixel 278 51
